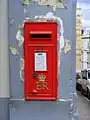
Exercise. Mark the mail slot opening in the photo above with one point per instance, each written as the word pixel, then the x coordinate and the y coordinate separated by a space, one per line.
pixel 40 35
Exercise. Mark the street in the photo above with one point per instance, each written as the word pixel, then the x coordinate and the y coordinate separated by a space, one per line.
pixel 83 105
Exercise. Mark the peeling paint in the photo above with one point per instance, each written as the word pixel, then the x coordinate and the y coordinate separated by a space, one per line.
pixel 67 47
pixel 53 3
pixel 26 2
pixel 65 100
pixel 12 20
pixel 21 63
pixel 62 43
pixel 13 50
pixel 20 41
pixel 60 4
pixel 42 2
pixel 27 19
pixel 20 38
pixel 19 26
pixel 22 75
pixel 21 69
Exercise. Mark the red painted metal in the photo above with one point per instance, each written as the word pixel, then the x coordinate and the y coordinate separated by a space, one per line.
pixel 40 37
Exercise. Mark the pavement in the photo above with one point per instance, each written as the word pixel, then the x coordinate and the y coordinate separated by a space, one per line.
pixel 83 105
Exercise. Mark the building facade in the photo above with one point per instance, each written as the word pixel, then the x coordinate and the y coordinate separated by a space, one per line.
pixel 86 51
pixel 78 39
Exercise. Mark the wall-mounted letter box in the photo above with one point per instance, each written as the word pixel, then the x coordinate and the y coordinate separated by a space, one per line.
pixel 40 54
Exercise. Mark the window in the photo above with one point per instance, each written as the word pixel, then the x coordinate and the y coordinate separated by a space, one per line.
pixel 84 74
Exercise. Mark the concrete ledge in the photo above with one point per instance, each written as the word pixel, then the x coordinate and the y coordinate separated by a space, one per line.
pixel 4 109
pixel 44 110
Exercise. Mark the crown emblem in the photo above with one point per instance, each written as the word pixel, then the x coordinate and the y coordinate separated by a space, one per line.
pixel 41 77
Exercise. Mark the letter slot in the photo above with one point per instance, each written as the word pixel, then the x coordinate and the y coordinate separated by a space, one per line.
pixel 40 35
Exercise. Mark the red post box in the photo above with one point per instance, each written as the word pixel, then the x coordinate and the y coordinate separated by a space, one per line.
pixel 40 54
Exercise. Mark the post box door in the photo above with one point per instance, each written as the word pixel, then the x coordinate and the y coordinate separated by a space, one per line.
pixel 41 73
pixel 40 60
